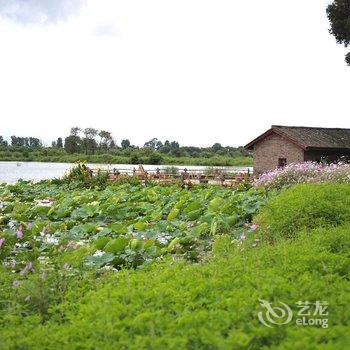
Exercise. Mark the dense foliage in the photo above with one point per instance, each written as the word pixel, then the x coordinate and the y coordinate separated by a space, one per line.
pixel 339 16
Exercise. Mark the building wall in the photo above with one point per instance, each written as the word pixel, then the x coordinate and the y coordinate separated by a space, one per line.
pixel 269 150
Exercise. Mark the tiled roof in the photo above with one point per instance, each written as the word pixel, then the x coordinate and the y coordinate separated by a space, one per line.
pixel 309 137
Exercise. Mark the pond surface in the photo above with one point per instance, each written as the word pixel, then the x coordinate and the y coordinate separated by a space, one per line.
pixel 10 172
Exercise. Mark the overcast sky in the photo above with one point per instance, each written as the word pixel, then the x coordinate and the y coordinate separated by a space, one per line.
pixel 195 71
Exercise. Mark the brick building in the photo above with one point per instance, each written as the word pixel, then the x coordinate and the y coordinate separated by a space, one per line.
pixel 282 145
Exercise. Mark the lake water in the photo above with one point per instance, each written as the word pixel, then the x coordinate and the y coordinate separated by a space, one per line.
pixel 10 172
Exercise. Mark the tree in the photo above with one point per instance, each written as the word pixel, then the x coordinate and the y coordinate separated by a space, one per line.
pixel 339 15
pixel 89 141
pixel 34 142
pixel 216 147
pixel 3 142
pixel 159 145
pixel 151 143
pixel 72 144
pixel 75 131
pixel 59 143
pixel 166 147
pixel 17 141
pixel 175 149
pixel 192 151
pixel 30 142
pixel 174 145
pixel 90 133
pixel 105 139
pixel 125 144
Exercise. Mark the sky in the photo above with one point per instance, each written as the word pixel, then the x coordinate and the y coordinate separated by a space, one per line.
pixel 195 71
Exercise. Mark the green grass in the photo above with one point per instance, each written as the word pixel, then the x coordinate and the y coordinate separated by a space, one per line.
pixel 212 305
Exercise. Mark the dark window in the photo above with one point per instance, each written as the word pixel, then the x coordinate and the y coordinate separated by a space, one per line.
pixel 282 162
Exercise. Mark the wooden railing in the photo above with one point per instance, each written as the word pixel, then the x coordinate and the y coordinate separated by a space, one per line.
pixel 184 176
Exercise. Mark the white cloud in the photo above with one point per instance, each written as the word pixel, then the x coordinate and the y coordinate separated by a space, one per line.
pixel 39 11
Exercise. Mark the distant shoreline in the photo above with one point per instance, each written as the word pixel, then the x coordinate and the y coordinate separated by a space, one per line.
pixel 97 159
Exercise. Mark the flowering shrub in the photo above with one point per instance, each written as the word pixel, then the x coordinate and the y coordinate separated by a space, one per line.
pixel 308 172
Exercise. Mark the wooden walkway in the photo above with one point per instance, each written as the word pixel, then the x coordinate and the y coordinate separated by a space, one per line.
pixel 184 176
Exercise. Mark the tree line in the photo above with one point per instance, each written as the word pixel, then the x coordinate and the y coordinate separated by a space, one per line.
pixel 90 141
pixel 29 142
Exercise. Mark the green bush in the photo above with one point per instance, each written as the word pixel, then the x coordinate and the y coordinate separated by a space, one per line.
pixel 304 206
pixel 155 158
pixel 81 175
pixel 213 305
pixel 119 156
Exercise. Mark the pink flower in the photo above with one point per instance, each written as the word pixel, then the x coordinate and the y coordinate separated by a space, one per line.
pixel 66 266
pixel 70 244
pixel 2 241
pixel 253 227
pixel 19 233
pixel 307 172
pixel 16 284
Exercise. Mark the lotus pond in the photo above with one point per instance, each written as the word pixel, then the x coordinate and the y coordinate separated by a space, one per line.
pixel 55 225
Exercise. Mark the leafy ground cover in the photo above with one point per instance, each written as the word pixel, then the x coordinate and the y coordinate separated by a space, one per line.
pixel 121 225
pixel 162 267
